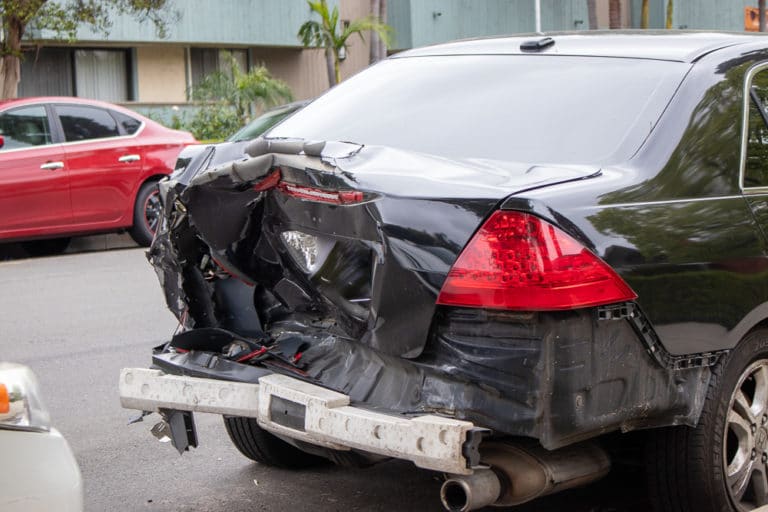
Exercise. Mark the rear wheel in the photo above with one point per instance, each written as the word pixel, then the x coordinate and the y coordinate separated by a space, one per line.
pixel 49 247
pixel 722 464
pixel 259 445
pixel 146 214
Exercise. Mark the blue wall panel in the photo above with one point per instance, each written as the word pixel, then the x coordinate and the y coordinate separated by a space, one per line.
pixel 437 21
pixel 217 22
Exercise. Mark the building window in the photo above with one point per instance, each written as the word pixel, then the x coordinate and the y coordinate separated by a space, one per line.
pixel 86 73
pixel 102 74
pixel 204 61
pixel 47 72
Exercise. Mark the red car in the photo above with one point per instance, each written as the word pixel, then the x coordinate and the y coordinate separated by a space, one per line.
pixel 70 166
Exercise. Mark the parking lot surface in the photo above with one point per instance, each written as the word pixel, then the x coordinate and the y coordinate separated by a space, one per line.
pixel 77 319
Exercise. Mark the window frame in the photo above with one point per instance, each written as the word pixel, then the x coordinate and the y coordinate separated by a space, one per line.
pixel 747 102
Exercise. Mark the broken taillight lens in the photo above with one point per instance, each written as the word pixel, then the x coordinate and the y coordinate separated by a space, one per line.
pixel 321 195
pixel 521 262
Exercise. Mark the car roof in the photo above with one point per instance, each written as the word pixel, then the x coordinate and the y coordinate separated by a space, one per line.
pixel 34 100
pixel 672 45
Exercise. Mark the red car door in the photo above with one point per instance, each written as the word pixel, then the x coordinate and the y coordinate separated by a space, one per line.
pixel 104 166
pixel 34 184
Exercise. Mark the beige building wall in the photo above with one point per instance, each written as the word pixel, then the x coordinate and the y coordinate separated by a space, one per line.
pixel 304 69
pixel 359 51
pixel 161 74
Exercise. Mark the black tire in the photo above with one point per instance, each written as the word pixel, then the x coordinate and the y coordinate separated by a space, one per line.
pixel 688 467
pixel 146 214
pixel 49 247
pixel 259 445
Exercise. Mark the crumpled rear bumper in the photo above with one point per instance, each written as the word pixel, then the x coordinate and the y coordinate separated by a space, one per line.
pixel 299 410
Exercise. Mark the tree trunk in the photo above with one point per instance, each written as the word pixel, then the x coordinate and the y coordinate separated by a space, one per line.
pixel 375 54
pixel 614 13
pixel 337 67
pixel 761 12
pixel 670 13
pixel 330 65
pixel 644 14
pixel 10 64
pixel 592 14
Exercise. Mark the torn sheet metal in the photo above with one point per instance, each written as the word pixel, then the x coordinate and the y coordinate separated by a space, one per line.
pixel 344 248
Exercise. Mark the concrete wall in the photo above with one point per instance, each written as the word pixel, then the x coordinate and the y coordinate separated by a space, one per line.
pixel 161 74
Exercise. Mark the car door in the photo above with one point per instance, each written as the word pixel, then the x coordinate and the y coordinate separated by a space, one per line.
pixel 34 184
pixel 104 166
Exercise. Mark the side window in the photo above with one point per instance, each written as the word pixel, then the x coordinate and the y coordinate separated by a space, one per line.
pixel 756 165
pixel 85 123
pixel 25 127
pixel 129 124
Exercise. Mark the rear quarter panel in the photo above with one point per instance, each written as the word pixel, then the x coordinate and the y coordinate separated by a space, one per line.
pixel 673 221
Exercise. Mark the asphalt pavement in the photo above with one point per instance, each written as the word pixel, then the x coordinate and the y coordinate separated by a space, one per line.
pixel 77 319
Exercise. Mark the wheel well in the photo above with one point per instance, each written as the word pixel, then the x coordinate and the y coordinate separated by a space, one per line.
pixel 152 179
pixel 763 324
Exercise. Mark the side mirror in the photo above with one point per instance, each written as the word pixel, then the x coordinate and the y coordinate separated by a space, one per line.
pixel 2 141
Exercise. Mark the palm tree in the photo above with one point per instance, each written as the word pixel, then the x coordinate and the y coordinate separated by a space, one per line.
pixel 670 12
pixel 644 14
pixel 592 14
pixel 239 92
pixel 328 34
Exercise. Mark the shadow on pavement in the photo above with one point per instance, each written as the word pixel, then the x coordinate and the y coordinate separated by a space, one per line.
pixel 15 251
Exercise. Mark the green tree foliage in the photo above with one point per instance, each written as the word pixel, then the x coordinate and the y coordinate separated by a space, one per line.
pixel 230 98
pixel 63 17
pixel 333 35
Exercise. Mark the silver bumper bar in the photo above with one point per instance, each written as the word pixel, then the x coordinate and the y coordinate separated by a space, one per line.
pixel 431 442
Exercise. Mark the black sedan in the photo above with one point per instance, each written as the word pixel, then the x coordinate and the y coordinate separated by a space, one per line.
pixel 482 257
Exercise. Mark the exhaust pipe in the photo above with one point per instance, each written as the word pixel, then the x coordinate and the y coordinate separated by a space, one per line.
pixel 462 493
pixel 523 472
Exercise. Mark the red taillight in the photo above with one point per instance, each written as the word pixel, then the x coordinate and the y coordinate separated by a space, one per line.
pixel 270 182
pixel 518 261
pixel 321 195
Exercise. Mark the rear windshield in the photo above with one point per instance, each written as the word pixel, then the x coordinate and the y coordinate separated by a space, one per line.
pixel 542 109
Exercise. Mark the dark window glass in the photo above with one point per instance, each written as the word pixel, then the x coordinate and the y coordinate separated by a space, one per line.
pixel 261 124
pixel 533 109
pixel 129 124
pixel 47 72
pixel 84 123
pixel 25 127
pixel 756 165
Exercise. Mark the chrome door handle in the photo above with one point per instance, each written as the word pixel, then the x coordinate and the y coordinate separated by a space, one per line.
pixel 52 166
pixel 129 158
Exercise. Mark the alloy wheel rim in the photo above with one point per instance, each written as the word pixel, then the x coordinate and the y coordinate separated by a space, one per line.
pixel 745 439
pixel 152 211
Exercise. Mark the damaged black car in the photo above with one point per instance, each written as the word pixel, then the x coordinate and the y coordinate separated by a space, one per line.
pixel 482 257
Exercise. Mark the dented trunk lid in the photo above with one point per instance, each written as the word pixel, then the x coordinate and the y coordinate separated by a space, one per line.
pixel 367 267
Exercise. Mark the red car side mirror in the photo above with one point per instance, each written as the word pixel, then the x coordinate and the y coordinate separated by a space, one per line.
pixel 2 141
